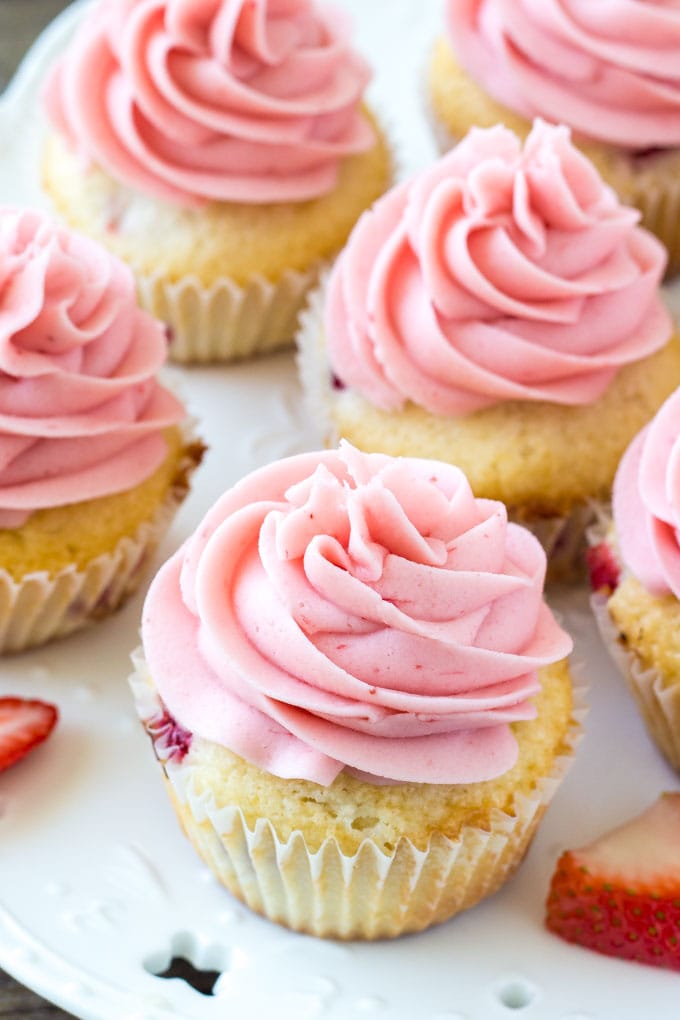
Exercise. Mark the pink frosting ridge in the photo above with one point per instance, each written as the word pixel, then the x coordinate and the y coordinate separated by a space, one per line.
pixel 346 610
pixel 502 272
pixel 646 502
pixel 81 414
pixel 233 100
pixel 611 70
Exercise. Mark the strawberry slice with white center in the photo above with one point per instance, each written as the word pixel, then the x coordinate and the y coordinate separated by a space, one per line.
pixel 621 894
pixel 24 723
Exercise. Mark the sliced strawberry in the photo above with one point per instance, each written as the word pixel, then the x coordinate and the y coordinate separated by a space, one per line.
pixel 24 723
pixel 621 894
pixel 603 567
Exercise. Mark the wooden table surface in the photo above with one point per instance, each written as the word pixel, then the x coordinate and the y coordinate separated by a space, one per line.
pixel 20 22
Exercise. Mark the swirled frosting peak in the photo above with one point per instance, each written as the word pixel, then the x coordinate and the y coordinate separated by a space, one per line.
pixel 81 414
pixel 611 70
pixel 646 502
pixel 502 272
pixel 347 610
pixel 232 100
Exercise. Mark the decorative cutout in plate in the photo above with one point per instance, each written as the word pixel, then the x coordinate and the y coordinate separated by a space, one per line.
pixel 188 960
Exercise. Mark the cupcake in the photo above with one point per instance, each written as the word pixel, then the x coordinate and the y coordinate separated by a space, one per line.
pixel 499 311
pixel 358 696
pixel 222 150
pixel 635 571
pixel 610 71
pixel 94 459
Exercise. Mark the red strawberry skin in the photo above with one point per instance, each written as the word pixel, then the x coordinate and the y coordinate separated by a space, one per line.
pixel 585 909
pixel 621 895
pixel 24 723
pixel 603 568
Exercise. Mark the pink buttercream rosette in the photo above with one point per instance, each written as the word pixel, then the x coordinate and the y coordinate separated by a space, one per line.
pixel 503 272
pixel 610 71
pixel 189 104
pixel 646 502
pixel 81 413
pixel 344 612
pixel 236 102
pixel 645 544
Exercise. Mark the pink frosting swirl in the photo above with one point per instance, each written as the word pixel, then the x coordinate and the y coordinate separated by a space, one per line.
pixel 646 502
pixel 234 100
pixel 609 70
pixel 81 414
pixel 500 273
pixel 341 609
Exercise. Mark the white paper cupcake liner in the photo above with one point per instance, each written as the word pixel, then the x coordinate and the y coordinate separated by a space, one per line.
pixel 41 606
pixel 369 894
pixel 444 138
pixel 226 322
pixel 601 527
pixel 312 364
pixel 657 196
pixel 658 703
pixel 564 540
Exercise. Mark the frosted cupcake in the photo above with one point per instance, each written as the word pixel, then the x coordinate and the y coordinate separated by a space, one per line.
pixel 610 71
pixel 499 311
pixel 359 698
pixel 635 568
pixel 93 458
pixel 222 150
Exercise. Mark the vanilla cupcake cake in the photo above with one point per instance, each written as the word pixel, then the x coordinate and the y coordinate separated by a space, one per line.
pixel 635 570
pixel 360 700
pixel 94 458
pixel 610 71
pixel 222 150
pixel 500 311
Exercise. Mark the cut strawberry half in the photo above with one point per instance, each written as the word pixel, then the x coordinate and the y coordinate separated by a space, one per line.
pixel 621 894
pixel 24 723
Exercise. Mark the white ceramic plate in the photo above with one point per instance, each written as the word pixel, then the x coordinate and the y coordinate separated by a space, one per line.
pixel 98 888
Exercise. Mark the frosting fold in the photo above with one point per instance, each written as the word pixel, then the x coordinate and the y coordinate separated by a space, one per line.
pixel 646 502
pixel 232 100
pixel 81 414
pixel 609 70
pixel 341 609
pixel 503 272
